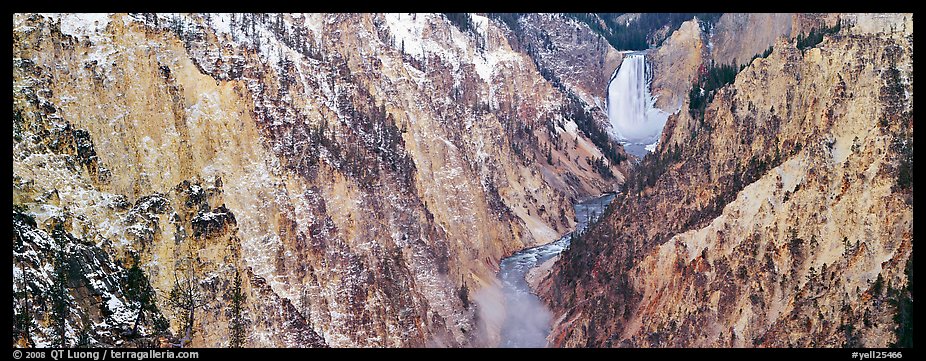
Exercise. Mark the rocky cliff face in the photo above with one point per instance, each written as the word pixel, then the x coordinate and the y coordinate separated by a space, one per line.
pixel 735 38
pixel 781 218
pixel 675 65
pixel 362 173
pixel 571 54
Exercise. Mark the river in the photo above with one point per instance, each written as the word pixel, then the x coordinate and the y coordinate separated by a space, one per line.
pixel 527 319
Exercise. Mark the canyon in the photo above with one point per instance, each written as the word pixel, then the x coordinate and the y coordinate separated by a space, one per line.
pixel 357 178
pixel 779 217
pixel 415 180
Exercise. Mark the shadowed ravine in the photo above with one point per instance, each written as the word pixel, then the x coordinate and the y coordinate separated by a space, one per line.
pixel 527 320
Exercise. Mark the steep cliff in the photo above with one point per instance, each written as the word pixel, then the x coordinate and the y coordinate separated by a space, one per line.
pixel 783 217
pixel 362 173
pixel 573 54
pixel 675 65
pixel 733 38
pixel 578 62
pixel 736 37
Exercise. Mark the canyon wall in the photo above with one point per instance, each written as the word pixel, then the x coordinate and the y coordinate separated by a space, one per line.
pixel 363 174
pixel 782 218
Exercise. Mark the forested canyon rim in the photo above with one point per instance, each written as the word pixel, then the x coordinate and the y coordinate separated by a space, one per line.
pixel 356 179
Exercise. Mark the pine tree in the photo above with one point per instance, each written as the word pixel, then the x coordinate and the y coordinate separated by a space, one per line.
pixel 83 339
pixel 463 293
pixel 846 247
pixel 138 289
pixel 879 284
pixel 306 306
pixel 184 298
pixel 24 318
pixel 236 326
pixel 811 275
pixel 60 301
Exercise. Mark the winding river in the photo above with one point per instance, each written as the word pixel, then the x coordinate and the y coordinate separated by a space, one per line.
pixel 527 319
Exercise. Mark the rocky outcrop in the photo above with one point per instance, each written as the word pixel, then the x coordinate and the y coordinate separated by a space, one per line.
pixel 571 54
pixel 783 218
pixel 737 37
pixel 356 170
pixel 675 66
pixel 578 62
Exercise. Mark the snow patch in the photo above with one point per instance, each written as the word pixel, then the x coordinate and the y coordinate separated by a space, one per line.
pixel 482 24
pixel 408 30
pixel 82 25
pixel 221 23
pixel 571 127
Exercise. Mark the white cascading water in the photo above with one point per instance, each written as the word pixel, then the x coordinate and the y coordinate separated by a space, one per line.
pixel 634 118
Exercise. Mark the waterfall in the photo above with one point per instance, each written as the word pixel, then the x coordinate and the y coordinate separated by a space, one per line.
pixel 634 118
